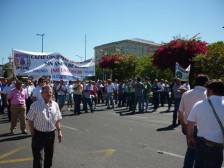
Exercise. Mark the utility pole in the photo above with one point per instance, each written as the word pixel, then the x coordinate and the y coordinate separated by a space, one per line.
pixel 85 46
pixel 42 35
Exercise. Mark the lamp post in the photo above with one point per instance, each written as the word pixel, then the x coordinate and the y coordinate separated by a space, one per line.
pixel 79 57
pixel 42 35
pixel 2 60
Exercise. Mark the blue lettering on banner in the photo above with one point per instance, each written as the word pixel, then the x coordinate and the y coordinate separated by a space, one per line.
pixel 89 72
pixel 40 71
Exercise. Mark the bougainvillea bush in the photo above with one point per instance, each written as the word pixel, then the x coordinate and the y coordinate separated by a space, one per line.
pixel 109 61
pixel 178 50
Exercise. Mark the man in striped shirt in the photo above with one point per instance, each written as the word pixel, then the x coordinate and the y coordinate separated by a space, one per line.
pixel 44 118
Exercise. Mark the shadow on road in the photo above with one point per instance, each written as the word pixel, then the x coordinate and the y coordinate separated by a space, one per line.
pixel 167 111
pixel 14 138
pixel 168 128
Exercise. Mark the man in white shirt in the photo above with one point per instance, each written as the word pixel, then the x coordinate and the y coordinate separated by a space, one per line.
pixel 69 94
pixel 29 88
pixel 209 141
pixel 188 99
pixel 9 86
pixel 116 91
pixel 37 91
pixel 110 90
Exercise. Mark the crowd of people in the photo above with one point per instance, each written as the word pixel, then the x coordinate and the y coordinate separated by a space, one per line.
pixel 131 93
pixel 33 101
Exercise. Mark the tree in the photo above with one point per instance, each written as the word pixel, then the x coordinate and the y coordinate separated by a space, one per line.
pixel 145 68
pixel 122 67
pixel 178 50
pixel 125 68
pixel 211 63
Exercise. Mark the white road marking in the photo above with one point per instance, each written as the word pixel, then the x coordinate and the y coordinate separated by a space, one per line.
pixel 139 117
pixel 168 153
pixel 69 128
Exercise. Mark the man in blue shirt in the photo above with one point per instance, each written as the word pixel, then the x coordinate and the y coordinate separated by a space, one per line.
pixel 87 97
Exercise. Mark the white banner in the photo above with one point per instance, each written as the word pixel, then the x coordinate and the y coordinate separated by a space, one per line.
pixel 54 65
pixel 182 73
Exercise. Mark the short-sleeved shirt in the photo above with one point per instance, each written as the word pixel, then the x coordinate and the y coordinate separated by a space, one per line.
pixel 28 89
pixel 139 87
pixel 148 87
pixel 189 98
pixel 37 93
pixel 116 86
pixel 44 116
pixel 60 91
pixel 88 87
pixel 207 124
pixel 110 88
pixel 78 90
pixel 176 92
pixel 7 89
pixel 17 97
pixel 155 91
pixel 69 89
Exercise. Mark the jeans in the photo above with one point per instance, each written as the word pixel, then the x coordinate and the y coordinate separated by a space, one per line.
pixel 156 102
pixel 89 102
pixel 162 98
pixel 77 100
pixel 207 156
pixel 100 96
pixel 139 100
pixel 110 100
pixel 190 153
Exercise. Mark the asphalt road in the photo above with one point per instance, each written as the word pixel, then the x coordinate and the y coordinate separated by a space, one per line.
pixel 103 139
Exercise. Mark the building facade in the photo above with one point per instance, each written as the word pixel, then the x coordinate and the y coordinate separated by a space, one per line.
pixel 136 47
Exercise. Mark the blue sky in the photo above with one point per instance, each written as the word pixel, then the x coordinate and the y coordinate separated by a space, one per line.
pixel 65 23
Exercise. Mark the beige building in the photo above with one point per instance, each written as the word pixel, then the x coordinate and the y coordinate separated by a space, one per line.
pixel 136 47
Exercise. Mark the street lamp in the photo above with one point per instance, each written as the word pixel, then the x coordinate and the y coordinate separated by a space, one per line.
pixel 79 57
pixel 42 35
pixel 2 60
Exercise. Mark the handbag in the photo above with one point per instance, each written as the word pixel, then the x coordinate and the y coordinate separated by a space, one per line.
pixel 217 118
